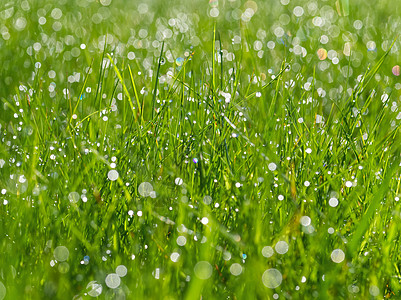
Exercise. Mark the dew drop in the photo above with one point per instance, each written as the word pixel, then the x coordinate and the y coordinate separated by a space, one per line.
pixel 267 251
pixel 305 221
pixel 121 270
pixel 112 175
pixel 374 291
pixel 73 197
pixel 144 189
pixel 61 253
pixel 333 202
pixel 203 270
pixel 113 281
pixel 236 269
pixel 322 54
pixel 94 289
pixel 207 200
pixel 174 256
pixel 281 247
pixel 63 267
pixel 181 240
pixel 179 61
pixel 396 70
pixel 178 181
pixel 272 278
pixel 337 256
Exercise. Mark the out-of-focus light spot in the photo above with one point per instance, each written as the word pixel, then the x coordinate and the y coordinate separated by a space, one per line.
pixel 322 53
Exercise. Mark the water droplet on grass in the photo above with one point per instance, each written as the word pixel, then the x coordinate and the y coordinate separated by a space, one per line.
pixel 144 189
pixel 112 175
pixel 213 3
pixel 22 179
pixel 214 12
pixel 113 281
pixel 333 202
pixel 236 269
pixel 396 70
pixel 226 255
pixel 174 256
pixel 337 256
pixel 272 166
pixel 178 181
pixel 281 247
pixel 179 61
pixel 272 278
pixel 61 253
pixel 181 240
pixel 267 251
pixel 374 291
pixel 305 221
pixel 63 267
pixel 322 54
pixel 203 270
pixel 95 289
pixel 207 200
pixel 73 197
pixel 121 270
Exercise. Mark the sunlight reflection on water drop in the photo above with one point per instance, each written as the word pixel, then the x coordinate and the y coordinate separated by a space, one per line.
pixel 179 61
pixel 112 175
pixel 63 267
pixel 113 280
pixel 207 200
pixel 396 70
pixel 144 189
pixel 272 278
pixel 305 220
pixel 181 240
pixel 337 256
pixel 281 247
pixel 236 269
pixel 121 270
pixel 73 197
pixel 94 289
pixel 178 181
pixel 267 251
pixel 174 256
pixel 333 202
pixel 322 54
pixel 61 253
pixel 203 270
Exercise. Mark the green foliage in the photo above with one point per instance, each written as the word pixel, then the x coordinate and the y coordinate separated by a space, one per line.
pixel 223 150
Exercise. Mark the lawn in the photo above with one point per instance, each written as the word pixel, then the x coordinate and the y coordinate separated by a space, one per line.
pixel 200 149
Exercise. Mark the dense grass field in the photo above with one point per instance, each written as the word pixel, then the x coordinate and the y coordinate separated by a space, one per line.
pixel 200 149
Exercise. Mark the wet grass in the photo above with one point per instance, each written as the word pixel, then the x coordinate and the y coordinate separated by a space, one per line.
pixel 202 174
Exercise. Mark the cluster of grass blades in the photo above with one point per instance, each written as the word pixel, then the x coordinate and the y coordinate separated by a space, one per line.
pixel 199 183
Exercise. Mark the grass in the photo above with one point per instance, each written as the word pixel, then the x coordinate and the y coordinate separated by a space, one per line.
pixel 198 159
